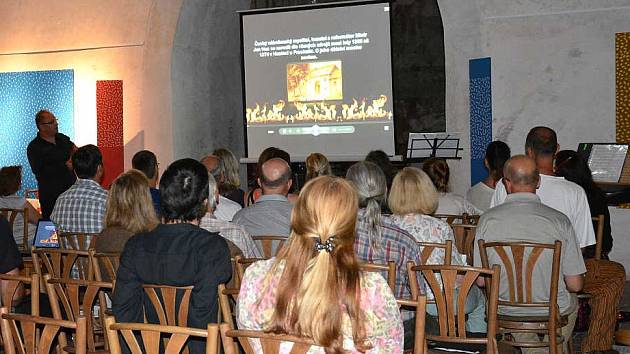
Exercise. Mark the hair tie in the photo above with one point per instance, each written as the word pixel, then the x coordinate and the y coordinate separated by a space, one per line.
pixel 327 246
pixel 187 182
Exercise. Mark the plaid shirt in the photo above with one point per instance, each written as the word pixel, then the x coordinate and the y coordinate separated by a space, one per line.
pixel 232 232
pixel 397 245
pixel 81 208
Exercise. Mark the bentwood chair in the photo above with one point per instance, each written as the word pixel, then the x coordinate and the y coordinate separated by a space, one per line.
pixel 519 259
pixel 11 215
pixel 59 263
pixel 28 334
pixel 270 245
pixel 427 249
pixel 389 270
pixel 153 335
pixel 104 264
pixel 465 239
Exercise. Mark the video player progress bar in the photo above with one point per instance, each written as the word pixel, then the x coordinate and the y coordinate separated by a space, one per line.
pixel 317 130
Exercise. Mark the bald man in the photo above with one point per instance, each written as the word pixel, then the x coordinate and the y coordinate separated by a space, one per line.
pixel 524 218
pixel 225 208
pixel 271 214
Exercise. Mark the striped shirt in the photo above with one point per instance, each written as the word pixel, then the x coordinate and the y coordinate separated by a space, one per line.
pixel 81 208
pixel 232 232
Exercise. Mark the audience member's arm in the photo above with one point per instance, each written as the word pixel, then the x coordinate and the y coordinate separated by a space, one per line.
pixel 127 299
pixel 574 282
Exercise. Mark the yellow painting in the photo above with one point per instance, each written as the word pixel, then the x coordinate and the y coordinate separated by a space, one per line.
pixel 316 81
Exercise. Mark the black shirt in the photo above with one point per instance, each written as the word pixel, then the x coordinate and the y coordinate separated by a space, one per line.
pixel 176 255
pixel 9 254
pixel 48 162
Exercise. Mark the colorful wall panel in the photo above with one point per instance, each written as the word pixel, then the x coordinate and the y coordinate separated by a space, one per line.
pixel 109 127
pixel 22 94
pixel 622 78
pixel 480 116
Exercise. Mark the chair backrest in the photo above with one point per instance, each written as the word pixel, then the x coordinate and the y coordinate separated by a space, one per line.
pixel 465 239
pixel 271 245
pixel 443 279
pixel 81 241
pixel 599 235
pixel 270 343
pixel 152 336
pixel 13 288
pixel 11 214
pixel 164 301
pixel 34 334
pixel 78 298
pixel 420 306
pixel 429 247
pixel 227 297
pixel 104 264
pixel 242 264
pixel 464 218
pixel 59 263
pixel 388 269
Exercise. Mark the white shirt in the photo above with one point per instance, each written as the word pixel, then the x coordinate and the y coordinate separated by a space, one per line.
pixel 16 202
pixel 226 209
pixel 480 196
pixel 564 196
pixel 455 204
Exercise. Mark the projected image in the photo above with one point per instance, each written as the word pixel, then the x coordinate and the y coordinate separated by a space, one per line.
pixel 314 81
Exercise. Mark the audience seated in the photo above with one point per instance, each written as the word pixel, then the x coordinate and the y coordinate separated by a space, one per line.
pixel 449 203
pixel 378 240
pixel 541 145
pixel 234 233
pixel 317 165
pixel 271 213
pixel 481 193
pixel 226 208
pixel 129 211
pixel 412 199
pixel 82 207
pixel 267 154
pixel 176 253
pixel 524 218
pixel 604 279
pixel 314 288
pixel 10 258
pixel 10 184
pixel 230 188
pixel 146 162
pixel 380 159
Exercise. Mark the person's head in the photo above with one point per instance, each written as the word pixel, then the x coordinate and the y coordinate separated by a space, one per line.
pixel 87 163
pixel 437 169
pixel 275 177
pixel 268 154
pixel 497 153
pixel 317 165
pixel 184 191
pixel 146 162
pixel 412 193
pixel 10 180
pixel 380 158
pixel 369 181
pixel 229 165
pixel 129 203
pixel 316 280
pixel 541 143
pixel 214 167
pixel 520 175
pixel 573 167
pixel 213 194
pixel 46 123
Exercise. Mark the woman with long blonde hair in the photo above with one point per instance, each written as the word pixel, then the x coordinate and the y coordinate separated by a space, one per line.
pixel 314 287
pixel 317 165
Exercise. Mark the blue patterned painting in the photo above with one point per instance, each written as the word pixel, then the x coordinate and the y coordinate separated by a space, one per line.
pixel 480 116
pixel 22 94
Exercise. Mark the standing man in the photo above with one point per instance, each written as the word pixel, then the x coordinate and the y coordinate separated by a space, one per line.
pixel 49 156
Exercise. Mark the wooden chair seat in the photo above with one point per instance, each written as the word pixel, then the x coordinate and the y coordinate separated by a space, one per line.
pixel 506 321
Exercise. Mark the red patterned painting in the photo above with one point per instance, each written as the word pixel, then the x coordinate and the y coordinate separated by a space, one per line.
pixel 109 127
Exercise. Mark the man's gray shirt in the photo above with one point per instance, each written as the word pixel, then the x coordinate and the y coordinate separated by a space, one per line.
pixel 523 218
pixel 270 215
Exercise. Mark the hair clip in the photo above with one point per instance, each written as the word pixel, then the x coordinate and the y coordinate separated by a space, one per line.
pixel 327 246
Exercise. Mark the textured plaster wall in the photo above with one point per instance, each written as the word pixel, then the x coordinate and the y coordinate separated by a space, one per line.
pixel 552 64
pixel 110 40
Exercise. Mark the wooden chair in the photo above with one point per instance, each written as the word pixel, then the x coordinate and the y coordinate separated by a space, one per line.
pixel 13 287
pixel 11 215
pixel 242 264
pixel 227 297
pixel 105 265
pixel 79 298
pixel 30 334
pixel 59 263
pixel 427 249
pixel 419 305
pixel 164 301
pixel 270 245
pixel 389 270
pixel 465 239
pixel 451 305
pixel 519 270
pixel 153 334
pixel 81 241
pixel 449 218
pixel 599 235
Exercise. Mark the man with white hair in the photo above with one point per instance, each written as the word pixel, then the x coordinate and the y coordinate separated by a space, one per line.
pixel 228 230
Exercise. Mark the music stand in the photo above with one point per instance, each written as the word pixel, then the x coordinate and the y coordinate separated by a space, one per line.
pixel 425 145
